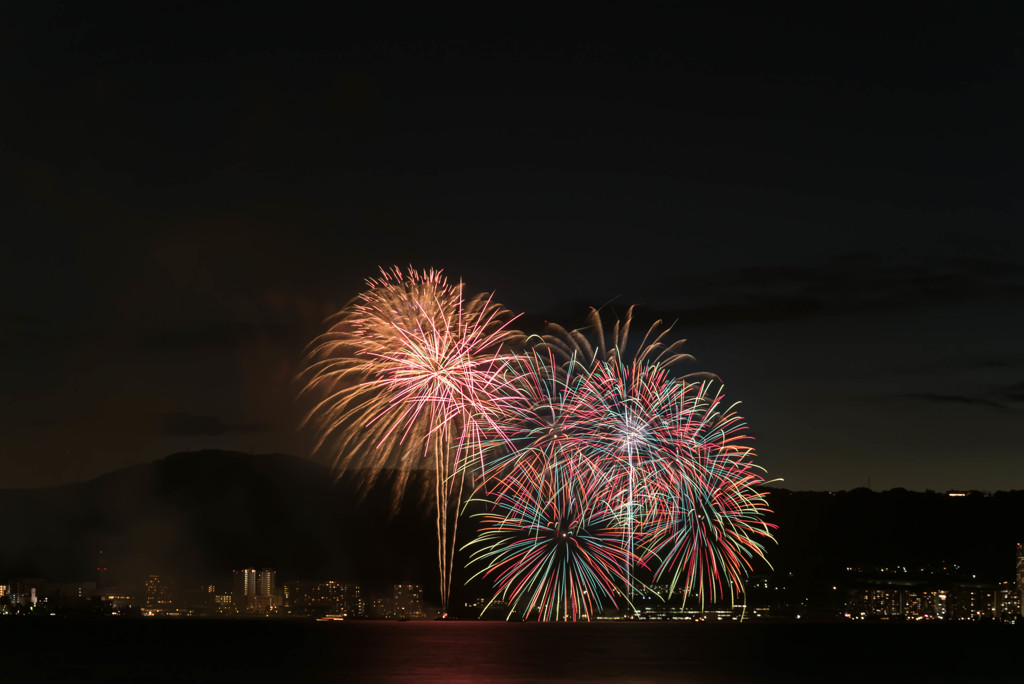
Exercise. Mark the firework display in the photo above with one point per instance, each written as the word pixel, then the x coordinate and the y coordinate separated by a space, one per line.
pixel 710 524
pixel 597 468
pixel 411 369
pixel 552 544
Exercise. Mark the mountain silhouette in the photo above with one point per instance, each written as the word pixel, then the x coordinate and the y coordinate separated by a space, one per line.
pixel 197 516
pixel 194 517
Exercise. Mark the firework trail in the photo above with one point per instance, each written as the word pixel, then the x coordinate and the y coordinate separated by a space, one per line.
pixel 626 420
pixel 551 543
pixel 552 539
pixel 710 525
pixel 576 345
pixel 411 369
pixel 671 471
pixel 535 425
pixel 592 461
pixel 630 409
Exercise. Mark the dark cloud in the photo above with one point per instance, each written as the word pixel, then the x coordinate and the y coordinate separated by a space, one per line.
pixel 1001 397
pixel 189 425
pixel 849 284
pixel 969 363
pixel 1010 394
pixel 956 399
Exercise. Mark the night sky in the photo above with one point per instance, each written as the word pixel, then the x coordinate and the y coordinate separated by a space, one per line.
pixel 826 204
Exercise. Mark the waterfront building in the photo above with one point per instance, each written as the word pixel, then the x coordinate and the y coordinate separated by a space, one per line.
pixel 266 582
pixel 972 603
pixel 1007 602
pixel 925 604
pixel 243 584
pixel 323 598
pixel 116 600
pixel 877 603
pixel 224 604
pixel 255 591
pixel 407 602
pixel 157 596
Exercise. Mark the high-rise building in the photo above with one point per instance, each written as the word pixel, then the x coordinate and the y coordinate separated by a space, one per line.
pixel 158 595
pixel 972 603
pixel 924 604
pixel 408 602
pixel 352 600
pixel 1007 602
pixel 887 602
pixel 266 582
pixel 323 598
pixel 255 590
pixel 1020 575
pixel 244 588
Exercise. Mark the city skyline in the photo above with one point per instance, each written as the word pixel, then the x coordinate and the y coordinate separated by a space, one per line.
pixel 197 517
pixel 875 593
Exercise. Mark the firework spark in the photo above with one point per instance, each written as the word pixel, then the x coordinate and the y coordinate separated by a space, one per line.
pixel 667 470
pixel 552 544
pixel 629 410
pixel 711 524
pixel 593 461
pixel 411 369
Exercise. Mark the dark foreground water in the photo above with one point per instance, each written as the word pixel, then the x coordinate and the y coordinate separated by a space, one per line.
pixel 53 649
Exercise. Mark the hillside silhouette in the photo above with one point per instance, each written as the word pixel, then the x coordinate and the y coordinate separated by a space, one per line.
pixel 196 516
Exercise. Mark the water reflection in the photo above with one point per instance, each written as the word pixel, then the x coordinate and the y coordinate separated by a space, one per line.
pixel 518 652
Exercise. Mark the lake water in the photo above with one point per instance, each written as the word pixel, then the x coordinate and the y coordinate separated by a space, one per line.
pixel 40 649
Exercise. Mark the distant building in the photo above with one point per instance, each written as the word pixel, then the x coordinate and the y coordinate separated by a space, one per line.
pixel 255 591
pixel 964 602
pixel 244 588
pixel 1020 575
pixel 71 593
pixel 876 603
pixel 352 600
pixel 198 601
pixel 117 600
pixel 26 591
pixel 266 582
pixel 380 607
pixel 925 604
pixel 224 604
pixel 267 598
pixel 489 608
pixel 1007 602
pixel 323 598
pixel 157 596
pixel 407 602
pixel 972 603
